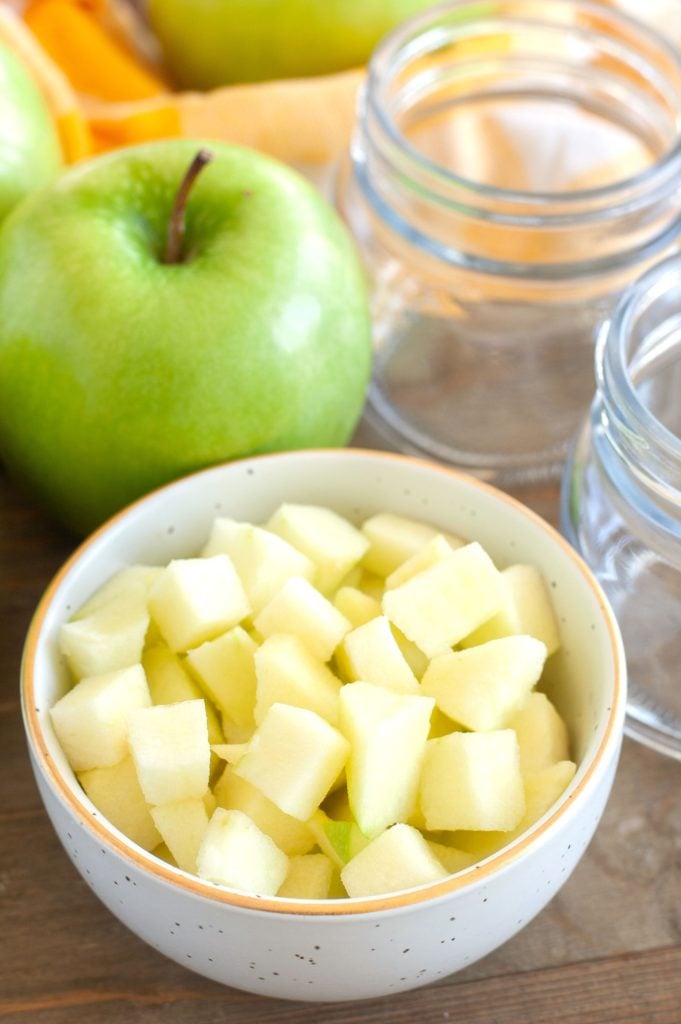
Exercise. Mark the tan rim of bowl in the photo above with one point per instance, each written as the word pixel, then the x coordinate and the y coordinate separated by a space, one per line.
pixel 191 884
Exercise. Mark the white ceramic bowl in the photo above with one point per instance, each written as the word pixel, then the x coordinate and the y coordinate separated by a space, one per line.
pixel 352 949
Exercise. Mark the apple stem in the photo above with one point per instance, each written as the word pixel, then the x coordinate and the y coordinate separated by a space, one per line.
pixel 175 237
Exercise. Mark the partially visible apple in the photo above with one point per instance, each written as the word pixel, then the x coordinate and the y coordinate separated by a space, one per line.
pixel 120 371
pixel 207 43
pixel 30 154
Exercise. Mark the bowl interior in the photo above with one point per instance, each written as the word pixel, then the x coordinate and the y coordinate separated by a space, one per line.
pixel 584 678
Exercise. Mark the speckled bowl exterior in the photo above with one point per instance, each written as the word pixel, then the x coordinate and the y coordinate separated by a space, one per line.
pixel 349 949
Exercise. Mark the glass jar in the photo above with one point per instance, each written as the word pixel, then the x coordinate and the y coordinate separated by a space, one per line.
pixel 621 496
pixel 515 164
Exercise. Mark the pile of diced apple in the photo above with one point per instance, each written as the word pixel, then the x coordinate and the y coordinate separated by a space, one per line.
pixel 315 710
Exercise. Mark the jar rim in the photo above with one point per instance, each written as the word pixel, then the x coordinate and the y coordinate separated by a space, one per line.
pixel 612 364
pixel 544 273
pixel 667 166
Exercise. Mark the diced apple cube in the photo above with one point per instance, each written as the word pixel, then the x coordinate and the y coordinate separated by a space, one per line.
pixel 234 793
pixel 299 609
pixel 91 720
pixel 234 852
pixel 542 790
pixel 169 683
pixel 309 878
pixel 287 673
pixel 370 653
pixel 116 793
pixel 397 859
pixel 432 552
pixel 337 890
pixel 452 859
pixel 339 840
pixel 263 560
pixel 225 668
pixel 526 609
pixel 482 686
pixel 331 542
pixel 442 725
pixel 235 734
pixel 414 657
pixel 163 853
pixel 387 732
pixel 294 757
pixel 441 605
pixel 393 539
pixel 197 599
pixel 169 744
pixel 357 607
pixel 111 637
pixel 182 825
pixel 131 584
pixel 472 780
pixel 229 752
pixel 542 734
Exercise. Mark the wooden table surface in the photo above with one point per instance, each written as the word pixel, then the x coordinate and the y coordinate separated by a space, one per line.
pixel 607 950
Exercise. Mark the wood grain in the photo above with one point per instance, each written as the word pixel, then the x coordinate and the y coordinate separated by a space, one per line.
pixel 606 951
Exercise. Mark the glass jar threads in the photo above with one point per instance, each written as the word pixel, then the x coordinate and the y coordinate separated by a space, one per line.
pixel 621 498
pixel 515 164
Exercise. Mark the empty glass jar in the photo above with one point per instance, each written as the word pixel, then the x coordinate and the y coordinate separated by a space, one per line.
pixel 515 164
pixel 621 500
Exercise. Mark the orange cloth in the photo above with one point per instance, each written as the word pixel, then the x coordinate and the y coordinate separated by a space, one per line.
pixel 95 63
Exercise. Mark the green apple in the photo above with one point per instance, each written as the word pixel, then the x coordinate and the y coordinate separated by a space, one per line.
pixel 30 154
pixel 131 354
pixel 207 43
